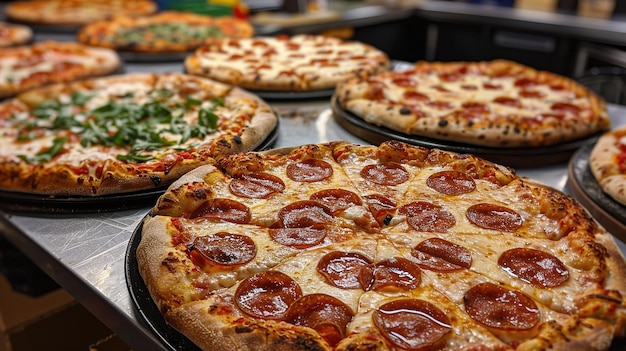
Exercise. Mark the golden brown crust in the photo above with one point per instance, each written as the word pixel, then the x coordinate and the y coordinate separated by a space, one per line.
pixel 298 63
pixel 245 121
pixel 166 31
pixel 605 167
pixel 497 103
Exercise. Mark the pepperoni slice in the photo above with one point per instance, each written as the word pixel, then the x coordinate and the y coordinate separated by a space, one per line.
pixel 223 209
pixel 388 173
pixel 302 214
pixel 412 324
pixel 256 185
pixel 490 216
pixel 342 269
pixel 565 107
pixel 508 101
pixel 337 200
pixel 325 314
pixel 534 266
pixel 300 238
pixel 500 308
pixel 397 273
pixel 267 294
pixel 440 255
pixel 451 182
pixel 311 170
pixel 427 217
pixel 381 207
pixel 225 248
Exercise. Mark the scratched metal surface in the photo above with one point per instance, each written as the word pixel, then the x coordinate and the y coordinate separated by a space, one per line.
pixel 87 251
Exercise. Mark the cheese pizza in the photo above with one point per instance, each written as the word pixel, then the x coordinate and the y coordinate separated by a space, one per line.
pixel 393 247
pixel 496 104
pixel 286 63
pixel 123 133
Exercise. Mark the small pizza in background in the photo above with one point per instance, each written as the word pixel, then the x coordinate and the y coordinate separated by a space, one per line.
pixel 14 34
pixel 286 63
pixel 394 247
pixel 495 103
pixel 124 133
pixel 42 63
pixel 167 31
pixel 74 12
pixel 607 163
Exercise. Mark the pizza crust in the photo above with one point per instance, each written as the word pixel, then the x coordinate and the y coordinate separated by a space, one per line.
pixel 603 166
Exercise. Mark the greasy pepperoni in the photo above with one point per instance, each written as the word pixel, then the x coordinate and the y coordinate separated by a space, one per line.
pixel 534 266
pixel 412 324
pixel 508 101
pixel 451 182
pixel 531 94
pixel 440 255
pixel 267 294
pixel 395 273
pixel 388 173
pixel 302 214
pixel 325 314
pixel 440 88
pixel 404 82
pixel 342 269
pixel 300 238
pixel 496 217
pixel 414 95
pixel 381 207
pixel 223 209
pixel 497 307
pixel 337 200
pixel 565 107
pixel 256 185
pixel 524 82
pixel 311 170
pixel 226 248
pixel 427 217
pixel 449 77
pixel 475 107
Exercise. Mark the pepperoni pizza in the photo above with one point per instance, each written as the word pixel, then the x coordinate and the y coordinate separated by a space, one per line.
pixel 32 66
pixel 497 104
pixel 393 247
pixel 286 63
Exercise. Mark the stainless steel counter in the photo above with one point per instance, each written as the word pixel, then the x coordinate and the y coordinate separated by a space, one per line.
pixel 85 253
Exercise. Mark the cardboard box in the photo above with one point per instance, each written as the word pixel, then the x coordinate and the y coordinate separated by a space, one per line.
pixel 53 321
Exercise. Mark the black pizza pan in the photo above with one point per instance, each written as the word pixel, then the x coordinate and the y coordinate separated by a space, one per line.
pixel 513 157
